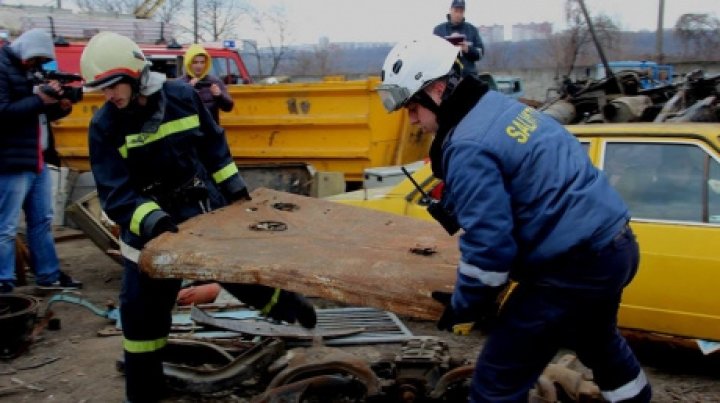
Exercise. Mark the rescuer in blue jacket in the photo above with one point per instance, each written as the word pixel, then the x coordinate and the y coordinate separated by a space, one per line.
pixel 158 159
pixel 533 209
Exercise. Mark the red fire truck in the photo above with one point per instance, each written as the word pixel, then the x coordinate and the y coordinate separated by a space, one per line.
pixel 167 59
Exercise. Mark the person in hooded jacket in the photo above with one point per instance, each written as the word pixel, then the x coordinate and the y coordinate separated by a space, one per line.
pixel 464 35
pixel 158 159
pixel 27 106
pixel 533 209
pixel 214 95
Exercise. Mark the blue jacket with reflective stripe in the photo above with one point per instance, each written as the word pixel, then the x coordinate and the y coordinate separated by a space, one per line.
pixel 162 145
pixel 523 188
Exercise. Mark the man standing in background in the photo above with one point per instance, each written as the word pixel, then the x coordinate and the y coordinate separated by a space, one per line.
pixel 463 35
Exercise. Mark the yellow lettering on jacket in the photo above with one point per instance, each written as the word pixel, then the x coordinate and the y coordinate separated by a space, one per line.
pixel 522 127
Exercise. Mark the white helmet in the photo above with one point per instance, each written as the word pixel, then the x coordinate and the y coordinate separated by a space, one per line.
pixel 108 57
pixel 412 65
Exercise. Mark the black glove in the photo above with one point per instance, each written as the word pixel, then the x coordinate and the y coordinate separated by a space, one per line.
pixel 449 317
pixel 482 317
pixel 241 194
pixel 164 224
pixel 291 307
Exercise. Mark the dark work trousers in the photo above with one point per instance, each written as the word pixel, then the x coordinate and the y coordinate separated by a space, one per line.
pixel 571 302
pixel 146 313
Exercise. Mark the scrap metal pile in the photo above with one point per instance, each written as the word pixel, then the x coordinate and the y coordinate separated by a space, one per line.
pixel 634 95
pixel 281 369
pixel 621 98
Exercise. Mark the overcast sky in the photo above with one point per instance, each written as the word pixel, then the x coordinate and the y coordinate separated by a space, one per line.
pixel 388 20
pixel 393 20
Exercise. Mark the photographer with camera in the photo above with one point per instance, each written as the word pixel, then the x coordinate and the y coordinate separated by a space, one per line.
pixel 212 91
pixel 26 147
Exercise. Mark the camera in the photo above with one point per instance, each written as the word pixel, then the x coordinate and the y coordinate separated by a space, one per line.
pixel 72 93
pixel 203 84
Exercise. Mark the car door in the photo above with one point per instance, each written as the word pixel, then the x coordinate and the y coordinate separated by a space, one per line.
pixel 673 193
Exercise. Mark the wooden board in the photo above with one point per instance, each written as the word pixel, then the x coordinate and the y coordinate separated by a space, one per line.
pixel 339 252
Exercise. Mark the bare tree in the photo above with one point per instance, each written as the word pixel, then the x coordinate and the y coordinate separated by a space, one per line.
pixel 699 33
pixel 171 11
pixel 273 25
pixel 217 19
pixel 573 46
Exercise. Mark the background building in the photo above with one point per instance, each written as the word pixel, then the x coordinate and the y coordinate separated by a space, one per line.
pixel 492 33
pixel 526 32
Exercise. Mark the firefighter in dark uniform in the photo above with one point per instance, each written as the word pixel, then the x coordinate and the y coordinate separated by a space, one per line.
pixel 533 209
pixel 158 159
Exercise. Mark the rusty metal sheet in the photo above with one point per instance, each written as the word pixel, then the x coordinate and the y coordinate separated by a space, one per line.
pixel 314 247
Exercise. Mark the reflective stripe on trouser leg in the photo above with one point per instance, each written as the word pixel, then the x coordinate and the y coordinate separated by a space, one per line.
pixel 145 309
pixel 632 390
pixel 598 343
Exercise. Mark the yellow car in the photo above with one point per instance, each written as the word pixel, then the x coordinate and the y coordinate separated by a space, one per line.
pixel 669 175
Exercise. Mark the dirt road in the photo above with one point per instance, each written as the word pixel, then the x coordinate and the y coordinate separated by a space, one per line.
pixel 74 364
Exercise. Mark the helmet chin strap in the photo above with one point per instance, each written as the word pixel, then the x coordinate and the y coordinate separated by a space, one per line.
pixel 451 82
pixel 426 101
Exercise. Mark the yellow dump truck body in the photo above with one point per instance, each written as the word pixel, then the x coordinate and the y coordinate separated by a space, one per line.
pixel 337 126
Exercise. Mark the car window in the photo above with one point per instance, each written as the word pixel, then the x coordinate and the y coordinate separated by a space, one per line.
pixel 219 67
pixel 234 73
pixel 663 181
pixel 714 192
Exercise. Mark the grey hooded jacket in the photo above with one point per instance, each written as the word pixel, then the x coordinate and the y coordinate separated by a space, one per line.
pixel 24 144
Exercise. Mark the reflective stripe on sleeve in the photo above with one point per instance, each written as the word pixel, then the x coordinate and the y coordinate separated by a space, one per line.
pixel 224 173
pixel 123 151
pixel 140 212
pixel 165 129
pixel 627 391
pixel 144 346
pixel 129 253
pixel 491 278
pixel 272 303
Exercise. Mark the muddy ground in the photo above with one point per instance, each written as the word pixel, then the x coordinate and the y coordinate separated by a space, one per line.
pixel 74 364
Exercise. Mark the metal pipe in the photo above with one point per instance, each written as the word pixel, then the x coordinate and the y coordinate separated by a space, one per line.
pixel 195 21
pixel 608 71
pixel 660 57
